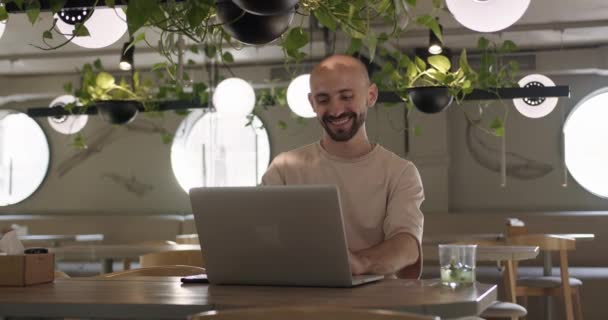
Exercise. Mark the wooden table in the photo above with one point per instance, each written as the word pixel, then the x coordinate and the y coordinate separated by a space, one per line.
pixel 166 297
pixel 108 252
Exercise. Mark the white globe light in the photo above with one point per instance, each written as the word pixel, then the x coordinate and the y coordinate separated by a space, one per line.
pixel 234 97
pixel 487 15
pixel 67 124
pixel 585 147
pixel 297 97
pixel 2 26
pixel 105 25
pixel 535 107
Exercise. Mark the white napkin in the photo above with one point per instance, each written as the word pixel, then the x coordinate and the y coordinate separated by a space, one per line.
pixel 10 244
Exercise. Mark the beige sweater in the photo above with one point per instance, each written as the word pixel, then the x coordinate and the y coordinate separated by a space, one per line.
pixel 380 192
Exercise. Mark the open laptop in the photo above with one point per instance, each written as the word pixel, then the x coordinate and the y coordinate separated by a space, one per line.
pixel 273 235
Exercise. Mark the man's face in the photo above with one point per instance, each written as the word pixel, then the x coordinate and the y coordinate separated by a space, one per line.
pixel 339 96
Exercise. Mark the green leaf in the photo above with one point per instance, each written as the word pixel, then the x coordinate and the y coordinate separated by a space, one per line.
pixel 440 63
pixel 412 69
pixel 194 48
pixel 166 137
pixel 80 30
pixel 196 15
pixel 355 46
pixel 47 35
pixel 138 12
pixel 436 75
pixel 210 50
pixel 79 142
pixel 296 39
pixel 282 125
pixel 110 3
pixel 420 64
pixel 56 5
pixel 67 87
pixel 33 11
pixel 431 23
pixel 3 13
pixel 498 127
pixel 97 64
pixel 227 57
pixel 411 2
pixel 508 46
pixel 438 4
pixel 483 43
pixel 105 81
pixel 372 43
pixel 325 18
pixel 464 61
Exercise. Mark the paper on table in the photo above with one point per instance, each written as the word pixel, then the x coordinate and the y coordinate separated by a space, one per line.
pixel 10 244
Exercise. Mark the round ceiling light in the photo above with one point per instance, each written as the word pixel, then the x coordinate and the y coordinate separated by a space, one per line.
pixel 585 139
pixel 105 25
pixel 535 107
pixel 487 15
pixel 66 124
pixel 297 97
pixel 2 27
pixel 234 97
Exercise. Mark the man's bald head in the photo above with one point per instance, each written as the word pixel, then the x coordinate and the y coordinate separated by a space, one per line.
pixel 340 63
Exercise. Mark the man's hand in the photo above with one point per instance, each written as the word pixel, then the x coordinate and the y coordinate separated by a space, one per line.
pixel 358 264
pixel 388 257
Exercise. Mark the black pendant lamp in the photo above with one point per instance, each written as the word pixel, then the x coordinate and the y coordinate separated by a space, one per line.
pixel 251 28
pixel 266 7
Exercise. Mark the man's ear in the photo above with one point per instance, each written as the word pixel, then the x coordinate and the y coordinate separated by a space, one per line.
pixel 372 95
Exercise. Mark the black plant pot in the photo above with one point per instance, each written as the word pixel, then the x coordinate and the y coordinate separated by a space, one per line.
pixel 118 111
pixel 430 99
pixel 266 7
pixel 250 28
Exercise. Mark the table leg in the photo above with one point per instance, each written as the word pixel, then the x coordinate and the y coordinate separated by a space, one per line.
pixel 107 265
pixel 547 271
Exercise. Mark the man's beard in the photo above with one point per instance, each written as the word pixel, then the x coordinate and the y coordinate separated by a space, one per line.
pixel 342 135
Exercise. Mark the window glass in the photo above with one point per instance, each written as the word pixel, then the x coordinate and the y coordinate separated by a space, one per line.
pixel 586 143
pixel 213 150
pixel 24 156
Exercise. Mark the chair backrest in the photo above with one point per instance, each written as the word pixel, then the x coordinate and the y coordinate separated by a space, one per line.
pixel 175 257
pixel 307 313
pixel 159 271
pixel 516 227
pixel 61 275
pixel 187 238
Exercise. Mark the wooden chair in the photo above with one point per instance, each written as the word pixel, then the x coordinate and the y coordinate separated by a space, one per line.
pixel 176 257
pixel 500 309
pixel 61 275
pixel 565 286
pixel 159 271
pixel 307 313
pixel 126 263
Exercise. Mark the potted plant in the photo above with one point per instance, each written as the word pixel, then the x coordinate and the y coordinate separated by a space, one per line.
pixel 432 85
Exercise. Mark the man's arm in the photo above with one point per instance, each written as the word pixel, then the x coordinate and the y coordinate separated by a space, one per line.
pixel 388 257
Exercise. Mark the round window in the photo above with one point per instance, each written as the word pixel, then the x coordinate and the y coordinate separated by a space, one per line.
pixel 214 150
pixel 24 156
pixel 586 142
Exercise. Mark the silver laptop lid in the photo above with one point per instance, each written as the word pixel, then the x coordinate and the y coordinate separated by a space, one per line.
pixel 272 235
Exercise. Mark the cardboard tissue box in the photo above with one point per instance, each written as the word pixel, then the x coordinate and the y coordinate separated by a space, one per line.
pixel 19 269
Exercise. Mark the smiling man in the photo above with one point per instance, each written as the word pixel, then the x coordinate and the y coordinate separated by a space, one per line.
pixel 380 192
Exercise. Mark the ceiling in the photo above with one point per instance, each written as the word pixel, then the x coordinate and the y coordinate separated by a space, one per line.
pixel 546 25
